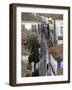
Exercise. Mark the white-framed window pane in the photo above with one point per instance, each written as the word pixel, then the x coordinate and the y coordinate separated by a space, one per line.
pixel 34 28
pixel 61 29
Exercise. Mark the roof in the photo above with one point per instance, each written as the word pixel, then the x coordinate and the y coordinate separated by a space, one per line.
pixel 57 52
pixel 29 17
pixel 36 17
pixel 53 16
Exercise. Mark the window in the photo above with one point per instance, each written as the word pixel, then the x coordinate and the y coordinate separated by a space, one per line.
pixel 61 29
pixel 60 38
pixel 39 28
pixel 34 28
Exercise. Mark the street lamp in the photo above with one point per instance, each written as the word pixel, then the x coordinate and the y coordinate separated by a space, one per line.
pixel 51 25
pixel 49 44
pixel 50 20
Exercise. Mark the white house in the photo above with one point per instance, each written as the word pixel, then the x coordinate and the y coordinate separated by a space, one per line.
pixel 30 22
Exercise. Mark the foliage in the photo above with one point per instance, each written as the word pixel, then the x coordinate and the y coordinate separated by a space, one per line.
pixel 33 46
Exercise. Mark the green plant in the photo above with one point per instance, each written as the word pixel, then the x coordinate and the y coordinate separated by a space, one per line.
pixel 33 46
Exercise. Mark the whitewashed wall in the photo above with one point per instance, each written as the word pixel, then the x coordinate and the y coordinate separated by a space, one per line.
pixel 28 25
